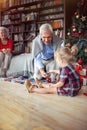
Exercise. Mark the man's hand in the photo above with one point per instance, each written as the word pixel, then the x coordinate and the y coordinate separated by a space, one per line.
pixel 43 73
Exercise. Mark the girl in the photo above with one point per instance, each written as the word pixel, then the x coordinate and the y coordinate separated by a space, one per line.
pixel 69 81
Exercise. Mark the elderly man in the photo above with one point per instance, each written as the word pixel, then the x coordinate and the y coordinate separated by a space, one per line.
pixel 43 48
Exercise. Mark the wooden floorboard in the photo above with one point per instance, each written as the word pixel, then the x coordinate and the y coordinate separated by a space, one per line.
pixel 20 110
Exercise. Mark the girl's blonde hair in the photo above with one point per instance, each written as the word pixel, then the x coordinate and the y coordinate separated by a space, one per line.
pixel 64 54
pixel 74 50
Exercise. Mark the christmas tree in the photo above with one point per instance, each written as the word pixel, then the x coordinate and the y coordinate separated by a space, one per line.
pixel 77 33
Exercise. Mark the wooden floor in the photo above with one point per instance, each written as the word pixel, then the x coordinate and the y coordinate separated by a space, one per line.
pixel 20 110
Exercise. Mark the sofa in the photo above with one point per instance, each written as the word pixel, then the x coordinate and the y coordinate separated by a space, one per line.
pixel 20 65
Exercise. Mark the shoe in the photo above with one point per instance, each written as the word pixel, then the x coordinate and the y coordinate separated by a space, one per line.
pixel 28 85
pixel 39 83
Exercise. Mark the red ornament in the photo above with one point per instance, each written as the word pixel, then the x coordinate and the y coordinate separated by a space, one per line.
pixel 48 80
pixel 73 26
pixel 78 67
pixel 80 61
pixel 80 32
pixel 76 13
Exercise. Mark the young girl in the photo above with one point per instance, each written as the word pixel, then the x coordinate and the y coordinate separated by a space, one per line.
pixel 69 81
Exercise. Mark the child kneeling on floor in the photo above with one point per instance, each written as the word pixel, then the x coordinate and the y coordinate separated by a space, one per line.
pixel 69 82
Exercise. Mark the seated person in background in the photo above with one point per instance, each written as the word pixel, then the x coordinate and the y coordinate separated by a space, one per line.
pixel 43 48
pixel 6 46
pixel 69 82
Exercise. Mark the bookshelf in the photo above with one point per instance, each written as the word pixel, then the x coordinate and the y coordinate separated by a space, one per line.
pixel 24 17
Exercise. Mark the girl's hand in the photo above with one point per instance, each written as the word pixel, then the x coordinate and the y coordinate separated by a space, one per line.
pixel 54 71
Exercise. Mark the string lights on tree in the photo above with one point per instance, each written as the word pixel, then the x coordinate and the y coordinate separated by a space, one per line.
pixel 77 33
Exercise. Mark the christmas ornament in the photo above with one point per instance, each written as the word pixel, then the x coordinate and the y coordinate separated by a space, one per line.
pixel 48 80
pixel 76 13
pixel 73 26
pixel 83 18
pixel 80 61
pixel 68 33
pixel 75 34
pixel 80 32
pixel 77 16
pixel 74 29
pixel 78 67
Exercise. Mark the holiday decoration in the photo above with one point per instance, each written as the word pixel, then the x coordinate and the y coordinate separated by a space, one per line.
pixel 82 72
pixel 78 68
pixel 77 33
pixel 80 61
pixel 48 80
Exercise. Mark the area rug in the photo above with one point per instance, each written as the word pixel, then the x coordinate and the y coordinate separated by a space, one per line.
pixel 20 79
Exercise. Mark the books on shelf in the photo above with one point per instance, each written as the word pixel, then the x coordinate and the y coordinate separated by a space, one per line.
pixel 30 36
pixel 18 47
pixel 18 37
pixel 6 20
pixel 10 3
